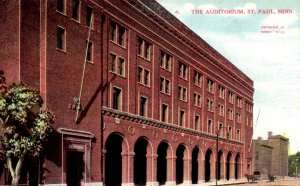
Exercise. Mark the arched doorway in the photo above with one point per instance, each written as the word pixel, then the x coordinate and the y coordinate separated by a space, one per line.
pixel 236 165
pixel 220 173
pixel 208 165
pixel 179 164
pixel 162 152
pixel 228 160
pixel 195 165
pixel 140 161
pixel 113 160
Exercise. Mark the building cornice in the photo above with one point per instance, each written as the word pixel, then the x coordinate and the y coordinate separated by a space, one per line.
pixel 197 45
pixel 162 125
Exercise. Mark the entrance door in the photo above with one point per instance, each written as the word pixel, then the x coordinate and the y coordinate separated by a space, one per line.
pixel 75 168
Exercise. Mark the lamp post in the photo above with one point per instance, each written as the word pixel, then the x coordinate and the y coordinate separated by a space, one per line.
pixel 217 153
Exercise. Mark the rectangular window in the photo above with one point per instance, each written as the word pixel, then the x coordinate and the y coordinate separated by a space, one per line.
pixel 144 49
pixel 221 110
pixel 121 66
pixel 117 33
pixel 117 65
pixel 230 114
pixel 182 93
pixel 210 86
pixel 164 113
pixel 89 17
pixel 209 126
pixel 89 54
pixel 197 100
pixel 239 101
pixel 238 135
pixel 197 78
pixel 76 10
pixel 197 122
pixel 164 85
pixel 221 92
pixel 210 105
pixel 165 61
pixel 182 118
pixel 183 70
pixel 140 74
pixel 61 6
pixel 112 62
pixel 238 117
pixel 61 38
pixel 230 132
pixel 143 76
pixel 143 106
pixel 220 129
pixel 116 99
pixel 113 31
pixel 230 97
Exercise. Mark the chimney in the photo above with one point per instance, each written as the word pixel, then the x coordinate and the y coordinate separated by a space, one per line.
pixel 270 134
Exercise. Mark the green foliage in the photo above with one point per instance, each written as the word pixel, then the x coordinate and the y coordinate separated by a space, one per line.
pixel 25 126
pixel 294 164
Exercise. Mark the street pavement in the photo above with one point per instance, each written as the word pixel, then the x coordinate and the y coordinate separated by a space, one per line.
pixel 289 182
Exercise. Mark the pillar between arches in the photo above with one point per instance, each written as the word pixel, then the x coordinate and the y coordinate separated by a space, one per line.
pixel 152 170
pixel 201 171
pixel 127 168
pixel 222 170
pixel 186 171
pixel 213 175
pixel 103 164
pixel 232 171
pixel 171 170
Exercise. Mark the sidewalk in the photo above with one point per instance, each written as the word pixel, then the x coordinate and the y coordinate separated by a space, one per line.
pixel 278 182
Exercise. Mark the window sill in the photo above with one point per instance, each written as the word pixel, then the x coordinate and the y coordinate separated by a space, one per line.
pixel 61 50
pixel 114 42
pixel 114 73
pixel 62 13
pixel 149 60
pixel 144 85
pixel 75 20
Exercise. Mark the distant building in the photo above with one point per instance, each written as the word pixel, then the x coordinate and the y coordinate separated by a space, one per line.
pixel 271 155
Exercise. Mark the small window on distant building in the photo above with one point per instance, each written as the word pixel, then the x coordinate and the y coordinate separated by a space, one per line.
pixel 76 10
pixel 143 106
pixel 89 54
pixel 61 38
pixel 116 98
pixel 89 17
pixel 164 113
pixel 61 6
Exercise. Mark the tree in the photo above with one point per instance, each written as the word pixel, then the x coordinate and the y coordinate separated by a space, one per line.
pixel 294 164
pixel 25 126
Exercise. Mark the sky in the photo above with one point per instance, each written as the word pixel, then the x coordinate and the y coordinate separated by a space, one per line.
pixel 263 44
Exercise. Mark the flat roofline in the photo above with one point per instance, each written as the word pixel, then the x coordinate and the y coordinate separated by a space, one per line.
pixel 194 38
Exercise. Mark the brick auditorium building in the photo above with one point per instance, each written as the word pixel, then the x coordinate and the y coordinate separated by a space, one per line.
pixel 153 94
